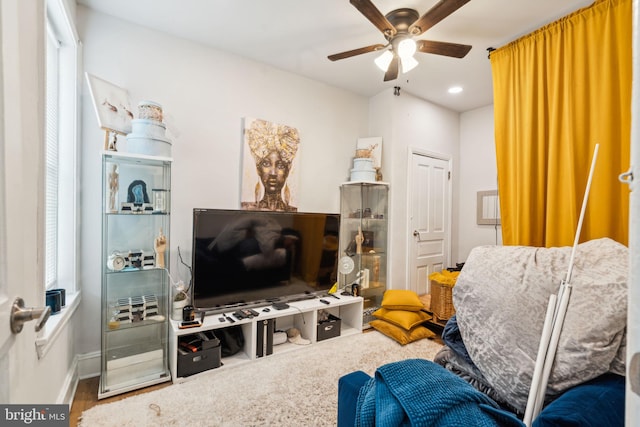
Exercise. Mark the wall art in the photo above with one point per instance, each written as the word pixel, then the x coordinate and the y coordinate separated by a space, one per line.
pixel 111 104
pixel 269 175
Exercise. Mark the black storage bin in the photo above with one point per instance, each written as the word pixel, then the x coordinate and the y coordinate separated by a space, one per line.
pixel 197 353
pixel 329 328
pixel 210 340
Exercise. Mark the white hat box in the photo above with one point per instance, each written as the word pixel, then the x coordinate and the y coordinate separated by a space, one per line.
pixel 148 146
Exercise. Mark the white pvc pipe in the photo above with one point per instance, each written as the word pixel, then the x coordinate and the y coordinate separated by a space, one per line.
pixel 551 351
pixel 542 379
pixel 542 353
pixel 576 238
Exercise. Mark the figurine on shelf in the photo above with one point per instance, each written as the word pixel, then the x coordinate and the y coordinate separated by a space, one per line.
pixel 113 187
pixel 376 268
pixel 359 240
pixel 160 245
pixel 112 142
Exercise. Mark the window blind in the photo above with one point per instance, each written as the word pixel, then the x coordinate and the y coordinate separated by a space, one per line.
pixel 51 159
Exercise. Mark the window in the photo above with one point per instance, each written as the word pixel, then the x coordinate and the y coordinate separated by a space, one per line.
pixel 51 158
pixel 61 154
pixel 61 149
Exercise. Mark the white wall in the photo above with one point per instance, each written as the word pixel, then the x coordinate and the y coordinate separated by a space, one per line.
pixel 205 94
pixel 477 172
pixel 405 123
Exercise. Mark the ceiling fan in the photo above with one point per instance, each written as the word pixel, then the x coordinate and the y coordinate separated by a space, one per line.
pixel 399 27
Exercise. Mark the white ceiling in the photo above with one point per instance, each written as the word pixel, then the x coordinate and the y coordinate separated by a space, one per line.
pixel 297 36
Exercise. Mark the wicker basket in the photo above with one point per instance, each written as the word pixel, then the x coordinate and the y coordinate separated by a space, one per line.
pixel 442 284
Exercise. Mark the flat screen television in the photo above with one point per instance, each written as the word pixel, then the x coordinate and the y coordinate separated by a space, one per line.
pixel 256 257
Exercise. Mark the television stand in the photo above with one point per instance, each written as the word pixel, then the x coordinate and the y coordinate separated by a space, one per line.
pixel 301 314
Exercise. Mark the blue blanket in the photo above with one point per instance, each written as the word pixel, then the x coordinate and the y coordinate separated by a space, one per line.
pixel 453 339
pixel 418 392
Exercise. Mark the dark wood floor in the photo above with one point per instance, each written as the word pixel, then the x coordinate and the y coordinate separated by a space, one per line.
pixel 87 397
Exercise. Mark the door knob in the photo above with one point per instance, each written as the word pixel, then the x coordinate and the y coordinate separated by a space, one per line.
pixel 416 233
pixel 20 315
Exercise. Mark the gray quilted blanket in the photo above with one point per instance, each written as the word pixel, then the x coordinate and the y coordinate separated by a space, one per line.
pixel 501 298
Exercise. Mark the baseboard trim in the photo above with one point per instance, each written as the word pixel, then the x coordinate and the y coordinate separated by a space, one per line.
pixel 88 365
pixel 68 391
pixel 83 366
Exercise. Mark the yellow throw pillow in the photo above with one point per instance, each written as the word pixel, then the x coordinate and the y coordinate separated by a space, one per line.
pixel 400 299
pixel 400 335
pixel 402 318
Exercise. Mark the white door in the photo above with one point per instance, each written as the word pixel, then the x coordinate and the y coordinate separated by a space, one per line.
pixel 632 405
pixel 429 223
pixel 20 173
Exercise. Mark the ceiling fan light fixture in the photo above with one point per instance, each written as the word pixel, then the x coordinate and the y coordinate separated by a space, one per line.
pixel 384 60
pixel 408 64
pixel 399 26
pixel 406 48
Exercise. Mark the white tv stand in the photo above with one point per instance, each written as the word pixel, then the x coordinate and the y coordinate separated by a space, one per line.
pixel 302 315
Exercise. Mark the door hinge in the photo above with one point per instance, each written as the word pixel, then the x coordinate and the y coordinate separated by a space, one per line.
pixel 449 175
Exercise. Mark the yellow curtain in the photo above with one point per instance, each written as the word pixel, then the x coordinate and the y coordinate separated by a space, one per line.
pixel 558 92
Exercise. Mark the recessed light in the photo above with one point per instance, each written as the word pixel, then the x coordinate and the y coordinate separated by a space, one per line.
pixel 455 89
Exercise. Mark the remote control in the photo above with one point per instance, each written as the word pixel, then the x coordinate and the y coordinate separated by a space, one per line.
pixel 244 313
pixel 324 301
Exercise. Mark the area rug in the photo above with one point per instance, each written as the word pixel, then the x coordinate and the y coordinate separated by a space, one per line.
pixel 295 388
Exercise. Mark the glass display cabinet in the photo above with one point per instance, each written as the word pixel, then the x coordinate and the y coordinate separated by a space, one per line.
pixel 363 242
pixel 135 283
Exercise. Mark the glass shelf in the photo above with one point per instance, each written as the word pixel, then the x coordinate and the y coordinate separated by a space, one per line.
pixel 135 300
pixel 136 213
pixel 364 239
pixel 133 270
pixel 111 328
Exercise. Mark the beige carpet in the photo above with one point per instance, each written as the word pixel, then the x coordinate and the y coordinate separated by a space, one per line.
pixel 297 388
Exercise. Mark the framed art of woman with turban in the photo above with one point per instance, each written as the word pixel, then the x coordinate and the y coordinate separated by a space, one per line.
pixel 268 182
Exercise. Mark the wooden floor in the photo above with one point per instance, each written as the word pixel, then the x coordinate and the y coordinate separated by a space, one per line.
pixel 87 397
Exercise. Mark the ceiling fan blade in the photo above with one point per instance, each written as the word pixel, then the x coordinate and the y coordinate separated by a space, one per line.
pixel 443 48
pixel 392 71
pixel 437 13
pixel 375 16
pixel 354 52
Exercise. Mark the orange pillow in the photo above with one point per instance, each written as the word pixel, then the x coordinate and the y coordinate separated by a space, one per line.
pixel 402 318
pixel 400 335
pixel 401 299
